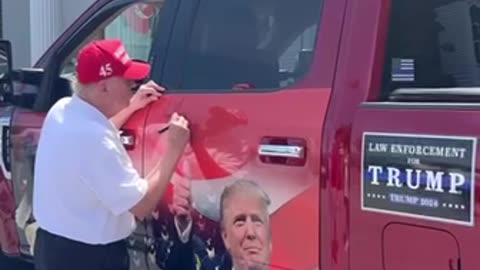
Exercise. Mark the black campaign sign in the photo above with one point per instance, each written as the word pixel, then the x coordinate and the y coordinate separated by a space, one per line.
pixel 421 176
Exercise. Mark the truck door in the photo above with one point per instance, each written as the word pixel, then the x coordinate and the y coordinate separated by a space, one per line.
pixel 254 82
pixel 8 240
pixel 139 24
pixel 414 143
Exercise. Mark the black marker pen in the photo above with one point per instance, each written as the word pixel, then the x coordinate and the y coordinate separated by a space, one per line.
pixel 165 128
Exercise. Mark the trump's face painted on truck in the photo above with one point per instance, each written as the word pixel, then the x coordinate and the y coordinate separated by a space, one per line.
pixel 246 225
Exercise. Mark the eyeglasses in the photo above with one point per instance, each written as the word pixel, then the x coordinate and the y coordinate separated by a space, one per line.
pixel 136 85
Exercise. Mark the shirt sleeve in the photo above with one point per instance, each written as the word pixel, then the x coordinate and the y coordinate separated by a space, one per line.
pixel 110 174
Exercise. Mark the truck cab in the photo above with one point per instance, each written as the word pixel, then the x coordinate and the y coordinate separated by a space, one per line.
pixel 357 119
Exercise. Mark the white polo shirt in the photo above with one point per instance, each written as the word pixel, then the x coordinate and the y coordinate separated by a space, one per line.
pixel 84 180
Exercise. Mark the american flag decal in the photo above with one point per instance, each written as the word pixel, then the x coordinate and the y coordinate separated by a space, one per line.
pixel 403 70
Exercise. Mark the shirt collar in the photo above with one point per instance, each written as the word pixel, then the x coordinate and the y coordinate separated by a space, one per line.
pixel 92 112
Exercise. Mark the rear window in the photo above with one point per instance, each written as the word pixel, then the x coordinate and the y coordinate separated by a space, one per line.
pixel 432 44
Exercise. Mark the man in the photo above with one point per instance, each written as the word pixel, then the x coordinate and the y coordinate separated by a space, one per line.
pixel 87 192
pixel 244 224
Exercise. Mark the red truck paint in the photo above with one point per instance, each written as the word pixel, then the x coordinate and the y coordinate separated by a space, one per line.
pixel 8 230
pixel 357 78
pixel 214 136
pixel 329 111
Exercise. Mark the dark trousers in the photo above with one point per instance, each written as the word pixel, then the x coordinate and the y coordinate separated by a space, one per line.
pixel 53 252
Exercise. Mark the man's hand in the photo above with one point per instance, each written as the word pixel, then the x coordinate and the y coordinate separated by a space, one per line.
pixel 178 134
pixel 146 93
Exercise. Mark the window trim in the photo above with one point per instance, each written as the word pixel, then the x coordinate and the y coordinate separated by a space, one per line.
pixel 181 40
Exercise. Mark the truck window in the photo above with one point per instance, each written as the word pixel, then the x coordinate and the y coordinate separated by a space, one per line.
pixel 432 44
pixel 295 61
pixel 132 25
pixel 257 44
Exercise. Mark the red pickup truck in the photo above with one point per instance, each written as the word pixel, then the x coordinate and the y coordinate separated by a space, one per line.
pixel 356 117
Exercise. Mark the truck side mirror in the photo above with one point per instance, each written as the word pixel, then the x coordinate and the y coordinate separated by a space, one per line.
pixel 5 62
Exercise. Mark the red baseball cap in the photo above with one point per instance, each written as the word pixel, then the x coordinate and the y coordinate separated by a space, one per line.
pixel 102 59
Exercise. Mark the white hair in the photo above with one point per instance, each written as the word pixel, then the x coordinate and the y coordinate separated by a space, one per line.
pixel 77 87
pixel 244 186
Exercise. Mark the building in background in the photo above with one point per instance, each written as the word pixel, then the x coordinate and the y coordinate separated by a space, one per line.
pixel 32 25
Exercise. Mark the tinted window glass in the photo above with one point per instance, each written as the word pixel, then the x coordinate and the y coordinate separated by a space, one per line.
pixel 256 44
pixel 432 44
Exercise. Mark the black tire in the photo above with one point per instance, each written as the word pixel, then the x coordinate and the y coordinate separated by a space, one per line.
pixel 7 263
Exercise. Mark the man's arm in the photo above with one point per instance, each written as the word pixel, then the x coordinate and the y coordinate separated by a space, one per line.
pixel 120 118
pixel 146 93
pixel 110 174
pixel 157 183
pixel 178 136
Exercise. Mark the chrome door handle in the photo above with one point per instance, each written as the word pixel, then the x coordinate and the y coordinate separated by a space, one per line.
pixel 127 140
pixel 288 151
